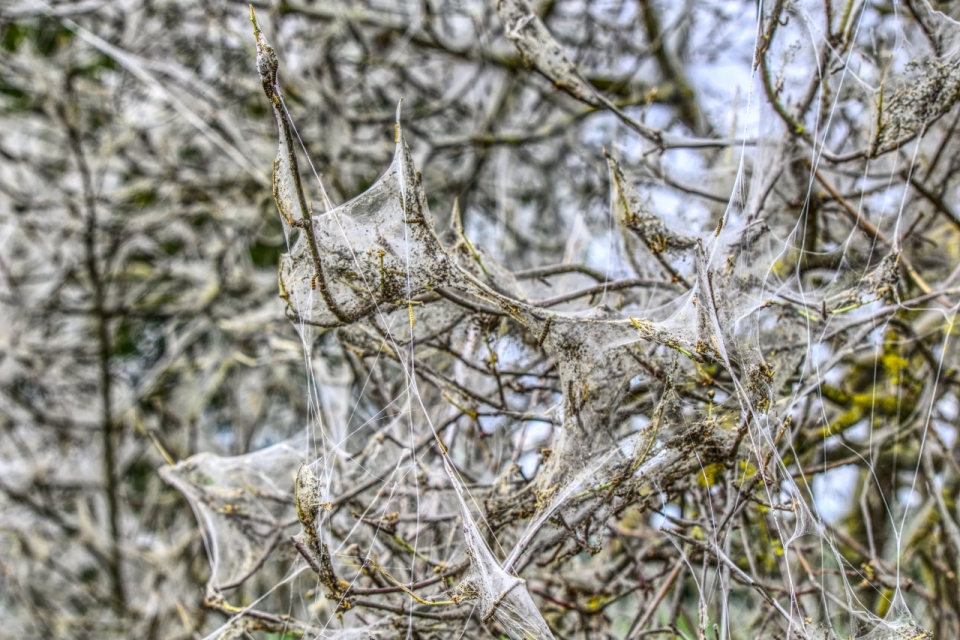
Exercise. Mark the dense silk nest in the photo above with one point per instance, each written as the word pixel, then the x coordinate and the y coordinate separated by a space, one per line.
pixel 528 429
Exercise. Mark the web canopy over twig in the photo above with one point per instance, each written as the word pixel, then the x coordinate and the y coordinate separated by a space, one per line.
pixel 503 425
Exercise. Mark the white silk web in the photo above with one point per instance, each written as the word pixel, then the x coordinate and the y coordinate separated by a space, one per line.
pixel 492 429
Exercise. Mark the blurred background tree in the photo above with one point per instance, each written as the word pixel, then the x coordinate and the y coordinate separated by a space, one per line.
pixel 141 324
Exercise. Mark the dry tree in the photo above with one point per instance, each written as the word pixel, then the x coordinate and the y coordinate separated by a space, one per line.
pixel 647 327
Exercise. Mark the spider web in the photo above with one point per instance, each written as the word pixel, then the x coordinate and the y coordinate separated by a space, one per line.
pixel 416 510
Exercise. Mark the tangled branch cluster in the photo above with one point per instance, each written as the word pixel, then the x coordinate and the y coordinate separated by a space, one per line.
pixel 623 360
